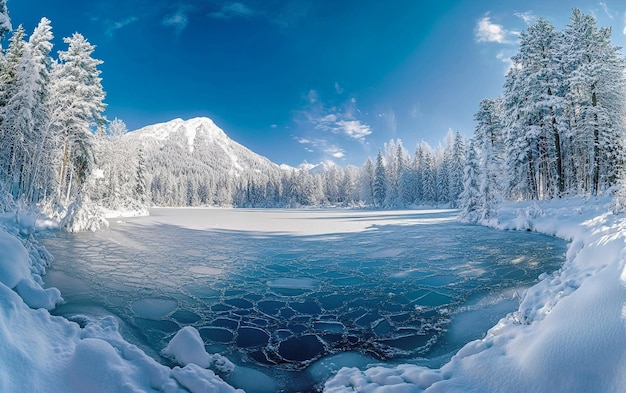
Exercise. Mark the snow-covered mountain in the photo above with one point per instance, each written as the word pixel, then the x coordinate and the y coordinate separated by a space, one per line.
pixel 203 141
pixel 193 162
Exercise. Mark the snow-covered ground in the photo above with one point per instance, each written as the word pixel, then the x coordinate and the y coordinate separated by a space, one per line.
pixel 568 335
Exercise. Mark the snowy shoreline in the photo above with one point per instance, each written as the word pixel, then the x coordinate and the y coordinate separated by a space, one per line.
pixel 568 334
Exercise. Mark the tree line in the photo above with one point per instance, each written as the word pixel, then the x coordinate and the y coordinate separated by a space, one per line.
pixel 556 130
pixel 558 127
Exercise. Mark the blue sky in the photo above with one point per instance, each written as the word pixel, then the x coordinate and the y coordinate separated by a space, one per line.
pixel 311 80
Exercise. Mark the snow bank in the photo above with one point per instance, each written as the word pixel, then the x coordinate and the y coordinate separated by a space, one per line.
pixel 569 333
pixel 44 353
pixel 15 273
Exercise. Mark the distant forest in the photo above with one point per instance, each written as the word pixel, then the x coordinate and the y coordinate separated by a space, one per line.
pixel 556 130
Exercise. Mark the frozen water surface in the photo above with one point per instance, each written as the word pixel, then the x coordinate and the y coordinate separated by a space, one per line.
pixel 284 293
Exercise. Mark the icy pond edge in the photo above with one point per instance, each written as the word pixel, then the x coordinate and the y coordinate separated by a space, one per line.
pixel 568 334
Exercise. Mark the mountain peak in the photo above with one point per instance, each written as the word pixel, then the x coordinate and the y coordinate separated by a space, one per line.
pixel 190 128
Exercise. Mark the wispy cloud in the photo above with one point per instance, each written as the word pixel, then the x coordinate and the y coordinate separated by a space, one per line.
pixel 324 128
pixel 321 144
pixel 339 120
pixel 335 151
pixel 606 9
pixel 624 31
pixel 114 26
pixel 177 20
pixel 487 31
pixel 338 88
pixel 233 10
pixel 505 57
pixel 528 17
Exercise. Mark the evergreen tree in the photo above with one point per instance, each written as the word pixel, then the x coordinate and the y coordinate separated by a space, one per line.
pixel 5 20
pixel 379 187
pixel 78 97
pixel 455 174
pixel 366 182
pixel 469 200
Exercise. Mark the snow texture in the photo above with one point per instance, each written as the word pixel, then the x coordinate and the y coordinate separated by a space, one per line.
pixel 568 334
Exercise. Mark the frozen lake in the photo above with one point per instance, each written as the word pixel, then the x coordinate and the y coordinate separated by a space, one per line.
pixel 295 294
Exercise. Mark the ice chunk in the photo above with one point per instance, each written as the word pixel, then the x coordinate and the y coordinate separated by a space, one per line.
pixel 153 308
pixel 187 347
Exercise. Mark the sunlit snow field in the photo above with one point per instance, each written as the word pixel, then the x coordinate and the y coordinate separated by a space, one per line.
pixel 283 292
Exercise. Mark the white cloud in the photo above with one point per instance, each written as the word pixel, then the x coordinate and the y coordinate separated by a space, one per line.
pixel 528 17
pixel 354 129
pixel 233 10
pixel 335 152
pixel 114 26
pixel 487 31
pixel 624 31
pixel 178 20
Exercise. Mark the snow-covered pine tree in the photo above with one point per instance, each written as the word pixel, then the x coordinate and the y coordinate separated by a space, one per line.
pixel 13 138
pixel 5 20
pixel 533 104
pixel 429 179
pixel 490 145
pixel 457 166
pixel 41 178
pixel 366 182
pixel 469 200
pixel 379 186
pixel 594 100
pixel 76 80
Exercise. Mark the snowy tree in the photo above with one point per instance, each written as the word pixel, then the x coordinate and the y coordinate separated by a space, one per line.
pixel 366 182
pixel 15 114
pixel 379 186
pixel 41 176
pixel 429 173
pixel 456 169
pixel 78 99
pixel 533 104
pixel 490 145
pixel 5 21
pixel 594 100
pixel 469 200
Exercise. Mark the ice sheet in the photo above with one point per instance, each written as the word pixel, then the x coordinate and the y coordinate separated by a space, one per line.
pixel 282 289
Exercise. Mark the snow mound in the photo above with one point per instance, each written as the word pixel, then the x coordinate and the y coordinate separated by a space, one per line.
pixel 15 273
pixel 187 347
